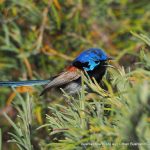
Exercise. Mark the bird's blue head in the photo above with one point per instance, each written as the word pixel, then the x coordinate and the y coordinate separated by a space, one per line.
pixel 90 58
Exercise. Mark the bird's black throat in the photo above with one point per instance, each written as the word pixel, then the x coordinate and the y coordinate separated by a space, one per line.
pixel 99 71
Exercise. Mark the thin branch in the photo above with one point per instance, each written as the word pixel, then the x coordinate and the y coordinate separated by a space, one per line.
pixel 42 28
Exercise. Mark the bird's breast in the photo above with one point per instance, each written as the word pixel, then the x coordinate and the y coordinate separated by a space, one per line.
pixel 72 87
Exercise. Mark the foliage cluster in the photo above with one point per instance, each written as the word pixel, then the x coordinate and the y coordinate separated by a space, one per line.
pixel 38 38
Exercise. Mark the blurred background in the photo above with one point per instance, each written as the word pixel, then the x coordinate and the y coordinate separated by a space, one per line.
pixel 38 38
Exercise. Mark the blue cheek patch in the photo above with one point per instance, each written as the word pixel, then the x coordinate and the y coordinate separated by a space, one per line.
pixel 92 65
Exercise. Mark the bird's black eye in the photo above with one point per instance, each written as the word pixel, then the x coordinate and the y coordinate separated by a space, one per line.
pixel 96 61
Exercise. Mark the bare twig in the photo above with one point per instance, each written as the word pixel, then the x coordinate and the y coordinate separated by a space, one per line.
pixel 42 28
pixel 49 51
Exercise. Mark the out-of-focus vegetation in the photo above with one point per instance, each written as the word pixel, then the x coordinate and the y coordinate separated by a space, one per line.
pixel 39 38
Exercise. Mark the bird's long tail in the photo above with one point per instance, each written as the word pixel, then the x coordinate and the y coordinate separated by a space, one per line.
pixel 23 83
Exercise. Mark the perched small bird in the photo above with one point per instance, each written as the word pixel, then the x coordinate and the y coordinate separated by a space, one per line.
pixel 93 61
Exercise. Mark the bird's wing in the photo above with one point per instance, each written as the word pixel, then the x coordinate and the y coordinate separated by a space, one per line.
pixel 63 78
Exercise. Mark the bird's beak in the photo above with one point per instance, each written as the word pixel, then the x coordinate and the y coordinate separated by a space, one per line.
pixel 110 58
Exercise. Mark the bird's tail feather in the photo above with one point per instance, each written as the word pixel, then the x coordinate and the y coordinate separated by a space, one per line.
pixel 23 83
